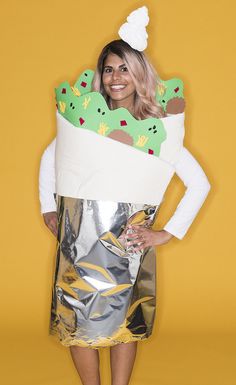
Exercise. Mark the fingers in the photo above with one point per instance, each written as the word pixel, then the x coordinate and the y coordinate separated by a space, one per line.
pixel 52 225
pixel 50 220
pixel 136 227
pixel 136 248
pixel 136 241
pixel 138 233
pixel 132 236
pixel 53 228
pixel 139 248
pixel 139 239
pixel 137 245
pixel 137 230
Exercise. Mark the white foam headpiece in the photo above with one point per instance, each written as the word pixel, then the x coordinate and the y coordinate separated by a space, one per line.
pixel 134 30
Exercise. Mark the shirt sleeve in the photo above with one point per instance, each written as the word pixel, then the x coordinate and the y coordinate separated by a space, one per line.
pixel 197 187
pixel 47 187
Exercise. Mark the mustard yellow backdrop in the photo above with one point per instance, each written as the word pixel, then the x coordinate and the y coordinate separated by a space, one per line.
pixel 44 42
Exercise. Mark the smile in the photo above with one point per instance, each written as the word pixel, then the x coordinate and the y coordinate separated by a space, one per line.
pixel 117 87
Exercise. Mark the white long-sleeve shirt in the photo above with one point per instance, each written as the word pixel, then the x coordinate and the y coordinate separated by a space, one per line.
pixel 187 168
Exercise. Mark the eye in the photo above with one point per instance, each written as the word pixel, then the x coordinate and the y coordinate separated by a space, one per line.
pixel 107 70
pixel 124 69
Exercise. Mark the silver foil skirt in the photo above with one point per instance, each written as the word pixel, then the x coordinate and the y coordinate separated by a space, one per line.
pixel 103 293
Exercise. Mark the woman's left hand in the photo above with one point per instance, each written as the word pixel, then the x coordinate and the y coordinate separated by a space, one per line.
pixel 144 237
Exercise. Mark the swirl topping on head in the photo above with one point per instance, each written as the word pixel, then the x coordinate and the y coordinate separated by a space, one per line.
pixel 134 31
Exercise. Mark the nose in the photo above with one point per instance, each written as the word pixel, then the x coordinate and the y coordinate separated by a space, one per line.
pixel 115 74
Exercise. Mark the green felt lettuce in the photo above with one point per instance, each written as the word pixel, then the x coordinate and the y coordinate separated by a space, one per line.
pixel 89 110
pixel 170 95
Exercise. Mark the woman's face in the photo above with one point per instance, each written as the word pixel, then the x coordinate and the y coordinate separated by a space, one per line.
pixel 117 81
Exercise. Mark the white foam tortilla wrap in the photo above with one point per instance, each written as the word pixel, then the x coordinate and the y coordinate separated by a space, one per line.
pixel 92 166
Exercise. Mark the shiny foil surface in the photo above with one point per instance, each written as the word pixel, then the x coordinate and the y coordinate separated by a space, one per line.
pixel 103 292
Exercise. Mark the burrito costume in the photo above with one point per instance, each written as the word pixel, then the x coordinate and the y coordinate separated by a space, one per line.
pixel 112 170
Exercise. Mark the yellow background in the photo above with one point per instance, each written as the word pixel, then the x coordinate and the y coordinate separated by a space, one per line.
pixel 46 42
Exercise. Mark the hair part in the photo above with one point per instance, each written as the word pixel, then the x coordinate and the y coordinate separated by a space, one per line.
pixel 142 73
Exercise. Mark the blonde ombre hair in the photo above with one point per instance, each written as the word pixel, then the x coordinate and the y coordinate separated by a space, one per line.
pixel 143 75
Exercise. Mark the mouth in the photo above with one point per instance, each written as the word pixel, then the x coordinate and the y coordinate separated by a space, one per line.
pixel 117 87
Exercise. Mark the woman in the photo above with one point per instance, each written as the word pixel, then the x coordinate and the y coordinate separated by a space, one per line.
pixel 126 79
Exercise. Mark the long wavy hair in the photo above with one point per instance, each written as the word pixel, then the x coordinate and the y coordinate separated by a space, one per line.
pixel 142 73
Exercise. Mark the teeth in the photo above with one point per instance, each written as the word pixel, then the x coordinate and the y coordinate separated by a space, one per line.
pixel 118 87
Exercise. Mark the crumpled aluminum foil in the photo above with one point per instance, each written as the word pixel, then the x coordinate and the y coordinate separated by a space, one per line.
pixel 103 293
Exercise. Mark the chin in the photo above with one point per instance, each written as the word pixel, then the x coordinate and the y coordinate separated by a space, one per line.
pixel 119 97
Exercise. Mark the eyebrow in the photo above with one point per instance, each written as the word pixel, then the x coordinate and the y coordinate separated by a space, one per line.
pixel 122 65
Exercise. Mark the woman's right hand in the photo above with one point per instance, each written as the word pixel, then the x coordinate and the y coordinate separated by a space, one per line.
pixel 50 220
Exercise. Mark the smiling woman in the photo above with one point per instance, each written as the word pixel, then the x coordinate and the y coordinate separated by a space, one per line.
pixel 118 83
pixel 127 79
pixel 115 153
